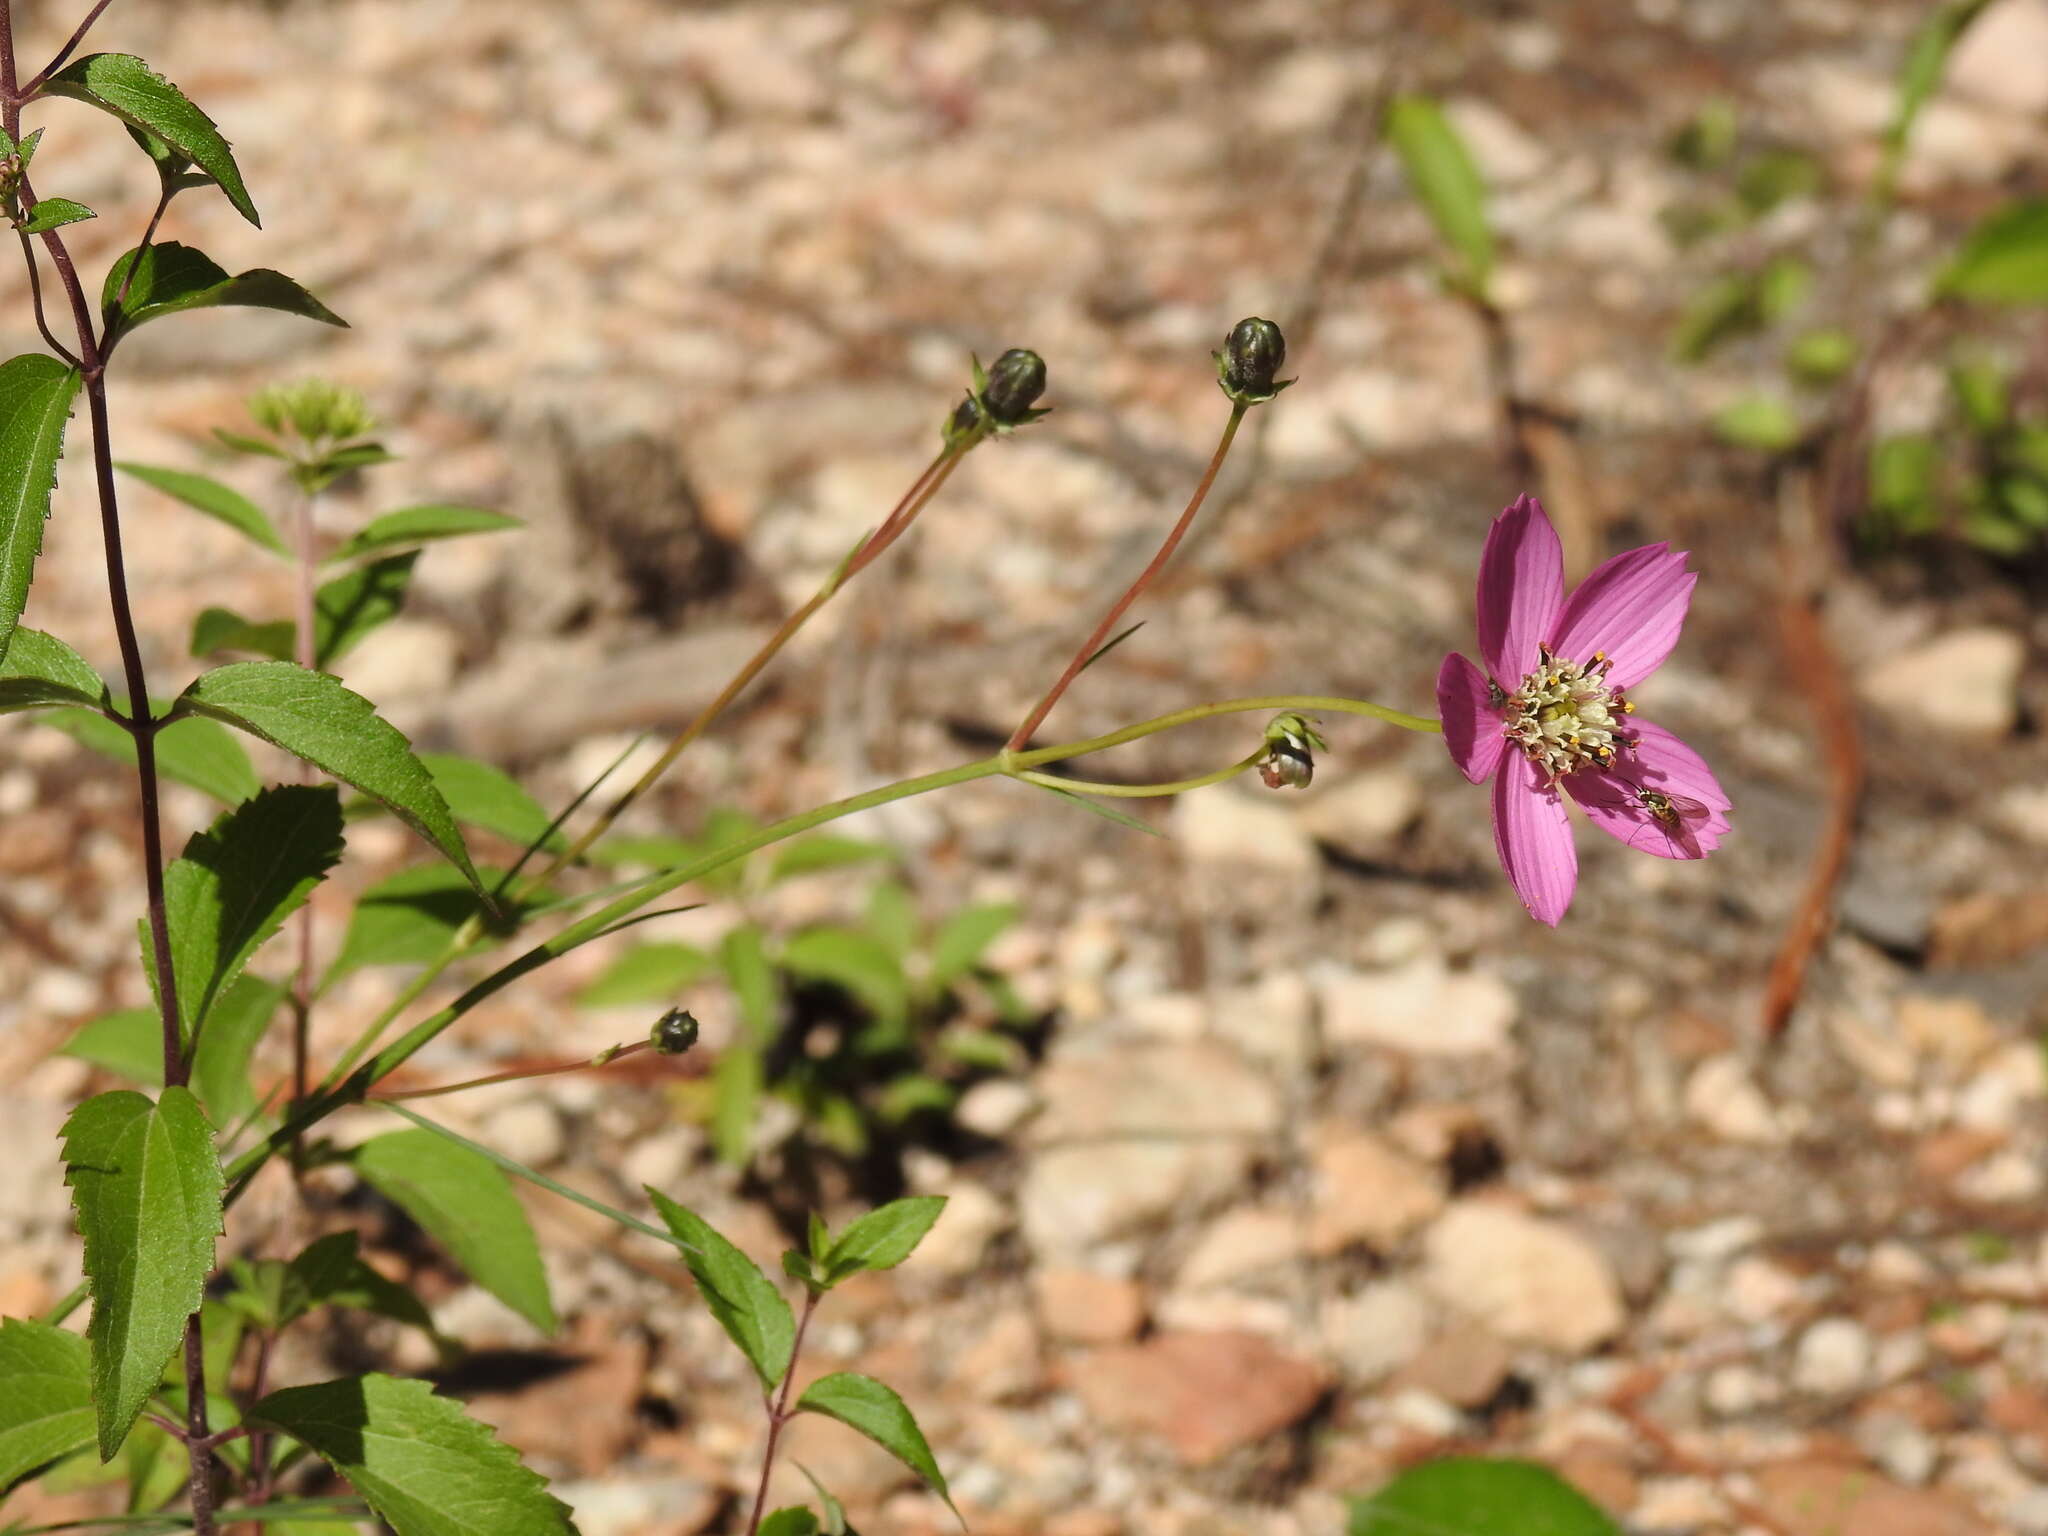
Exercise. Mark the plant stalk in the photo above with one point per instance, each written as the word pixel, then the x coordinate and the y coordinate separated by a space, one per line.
pixel 778 1411
pixel 1094 642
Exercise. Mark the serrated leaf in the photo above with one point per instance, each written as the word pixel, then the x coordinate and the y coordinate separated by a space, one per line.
pixel 55 213
pixel 796 1520
pixel 418 1460
pixel 197 752
pixel 42 670
pixel 312 716
pixel 406 919
pixel 122 84
pixel 742 1299
pixel 129 1043
pixel 418 525
pixel 220 1065
pixel 1097 808
pixel 462 1201
pixel 884 1237
pixel 35 403
pixel 856 962
pixel 646 973
pixel 222 629
pixel 224 503
pixel 45 1397
pixel 480 795
pixel 810 855
pixel 862 1403
pixel 331 1273
pixel 1477 1496
pixel 1445 181
pixel 171 278
pixel 237 882
pixel 146 1186
pixel 2004 260
pixel 965 937
pixel 349 607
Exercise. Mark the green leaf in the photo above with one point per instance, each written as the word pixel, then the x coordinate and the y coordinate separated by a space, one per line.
pixel 1926 62
pixel 859 963
pixel 313 716
pixel 480 795
pixel 55 213
pixel 1776 176
pixel 351 606
pixel 2004 260
pixel 966 935
pixel 418 525
pixel 1818 358
pixel 223 629
pixel 406 919
pixel 128 1043
pixel 1758 421
pixel 42 670
pixel 1445 181
pixel 884 1237
pixel 146 1185
pixel 834 1523
pixel 810 855
pixel 647 973
pixel 35 402
pixel 192 751
pixel 1475 1496
pixel 467 1205
pixel 736 1095
pixel 171 278
pixel 1904 472
pixel 744 958
pixel 747 1306
pixel 892 917
pixel 331 1273
pixel 45 1397
pixel 796 1520
pixel 862 1403
pixel 1725 308
pixel 420 1462
pixel 220 1065
pixel 122 84
pixel 1981 393
pixel 239 880
pixel 242 442
pixel 1781 287
pixel 221 502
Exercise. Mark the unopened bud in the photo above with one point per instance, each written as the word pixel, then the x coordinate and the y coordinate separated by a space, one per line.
pixel 1015 381
pixel 674 1032
pixel 964 425
pixel 1249 360
pixel 1291 745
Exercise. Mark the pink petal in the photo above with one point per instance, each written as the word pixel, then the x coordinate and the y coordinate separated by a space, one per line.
pixel 1631 607
pixel 1534 839
pixel 1471 723
pixel 1521 583
pixel 1660 761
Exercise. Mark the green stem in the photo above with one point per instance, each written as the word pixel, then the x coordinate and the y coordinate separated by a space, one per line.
pixel 1143 791
pixel 1002 764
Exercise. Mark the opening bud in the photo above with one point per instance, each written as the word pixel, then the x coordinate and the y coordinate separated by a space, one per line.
pixel 1291 746
pixel 1249 360
pixel 674 1032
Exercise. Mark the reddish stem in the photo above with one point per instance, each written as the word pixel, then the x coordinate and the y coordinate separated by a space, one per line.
pixel 779 1412
pixel 1117 609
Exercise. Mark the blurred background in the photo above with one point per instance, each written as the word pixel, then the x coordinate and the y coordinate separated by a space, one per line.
pixel 1284 1150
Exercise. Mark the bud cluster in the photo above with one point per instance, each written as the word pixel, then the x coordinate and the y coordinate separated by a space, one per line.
pixel 1001 399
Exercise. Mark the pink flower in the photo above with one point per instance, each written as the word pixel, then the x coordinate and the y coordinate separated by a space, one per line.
pixel 1551 709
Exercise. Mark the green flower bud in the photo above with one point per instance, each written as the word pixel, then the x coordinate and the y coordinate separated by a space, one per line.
pixel 1016 380
pixel 1291 745
pixel 1249 359
pixel 674 1032
pixel 965 424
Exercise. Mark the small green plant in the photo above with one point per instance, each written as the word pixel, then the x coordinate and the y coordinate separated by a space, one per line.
pixel 869 1027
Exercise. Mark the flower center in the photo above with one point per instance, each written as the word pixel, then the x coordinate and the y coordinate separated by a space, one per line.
pixel 1566 716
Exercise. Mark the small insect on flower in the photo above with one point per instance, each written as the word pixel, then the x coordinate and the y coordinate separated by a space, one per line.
pixel 1675 819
